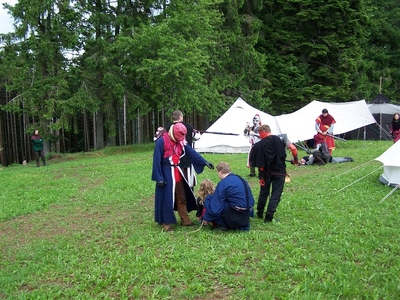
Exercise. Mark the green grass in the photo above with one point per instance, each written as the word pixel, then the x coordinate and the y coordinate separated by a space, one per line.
pixel 83 228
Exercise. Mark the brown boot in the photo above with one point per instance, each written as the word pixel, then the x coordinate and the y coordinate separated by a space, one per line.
pixel 181 204
pixel 183 214
pixel 167 227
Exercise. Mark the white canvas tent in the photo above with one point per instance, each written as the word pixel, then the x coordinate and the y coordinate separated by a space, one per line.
pixel 226 134
pixel 391 165
pixel 299 125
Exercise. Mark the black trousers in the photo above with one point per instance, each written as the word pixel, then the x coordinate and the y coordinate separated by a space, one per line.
pixel 276 182
pixel 41 155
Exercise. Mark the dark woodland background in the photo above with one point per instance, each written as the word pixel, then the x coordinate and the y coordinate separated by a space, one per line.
pixel 91 74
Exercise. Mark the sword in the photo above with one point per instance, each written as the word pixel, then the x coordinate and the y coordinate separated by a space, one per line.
pixel 223 133
pixel 336 137
pixel 302 147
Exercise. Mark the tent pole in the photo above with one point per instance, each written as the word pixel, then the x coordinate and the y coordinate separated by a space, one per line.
pixel 365 133
pixel 381 129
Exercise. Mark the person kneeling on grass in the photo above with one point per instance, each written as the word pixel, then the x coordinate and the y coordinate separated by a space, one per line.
pixel 231 205
pixel 206 188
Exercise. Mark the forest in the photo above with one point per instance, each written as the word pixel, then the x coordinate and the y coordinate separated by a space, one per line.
pixel 89 74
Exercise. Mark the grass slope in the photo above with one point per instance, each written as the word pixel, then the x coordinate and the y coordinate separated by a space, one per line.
pixel 83 228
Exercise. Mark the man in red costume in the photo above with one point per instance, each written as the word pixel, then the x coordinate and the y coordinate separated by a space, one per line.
pixel 324 125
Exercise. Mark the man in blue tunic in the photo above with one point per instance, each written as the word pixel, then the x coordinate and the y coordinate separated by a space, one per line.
pixel 231 199
pixel 172 189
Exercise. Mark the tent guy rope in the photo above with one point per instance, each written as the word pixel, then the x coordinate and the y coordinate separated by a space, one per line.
pixel 355 168
pixel 358 180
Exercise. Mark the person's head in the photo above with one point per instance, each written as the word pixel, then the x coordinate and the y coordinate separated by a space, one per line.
pixel 256 120
pixel 304 160
pixel 160 131
pixel 264 131
pixel 396 117
pixel 223 169
pixel 36 132
pixel 177 116
pixel 324 112
pixel 196 135
pixel 177 132
pixel 206 188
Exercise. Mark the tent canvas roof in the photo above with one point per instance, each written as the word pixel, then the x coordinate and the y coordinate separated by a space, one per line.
pixel 300 125
pixel 228 131
pixel 380 99
pixel 391 165
pixel 384 108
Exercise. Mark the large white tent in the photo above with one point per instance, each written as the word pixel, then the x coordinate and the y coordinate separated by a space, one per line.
pixel 226 134
pixel 391 165
pixel 300 125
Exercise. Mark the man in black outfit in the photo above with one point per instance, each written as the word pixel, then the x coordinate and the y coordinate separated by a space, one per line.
pixel 269 155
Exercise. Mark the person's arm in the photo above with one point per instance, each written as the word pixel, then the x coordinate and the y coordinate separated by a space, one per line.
pixel 317 127
pixel 310 160
pixel 247 129
pixel 157 172
pixel 214 205
pixel 253 132
pixel 330 129
pixel 292 148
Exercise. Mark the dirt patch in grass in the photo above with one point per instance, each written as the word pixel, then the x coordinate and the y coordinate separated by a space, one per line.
pixel 59 221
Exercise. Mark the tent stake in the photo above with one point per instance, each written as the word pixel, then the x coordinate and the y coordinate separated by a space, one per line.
pixel 391 192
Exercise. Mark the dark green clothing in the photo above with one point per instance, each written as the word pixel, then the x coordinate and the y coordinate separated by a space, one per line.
pixel 37 142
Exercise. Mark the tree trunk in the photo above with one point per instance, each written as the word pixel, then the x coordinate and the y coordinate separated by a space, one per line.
pixel 98 130
pixel 124 122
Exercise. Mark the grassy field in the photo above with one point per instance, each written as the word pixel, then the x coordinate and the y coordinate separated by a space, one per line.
pixel 83 228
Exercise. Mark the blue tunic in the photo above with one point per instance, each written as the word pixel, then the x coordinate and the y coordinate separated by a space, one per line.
pixel 230 191
pixel 163 171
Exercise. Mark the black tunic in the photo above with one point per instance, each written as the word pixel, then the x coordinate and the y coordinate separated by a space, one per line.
pixel 270 154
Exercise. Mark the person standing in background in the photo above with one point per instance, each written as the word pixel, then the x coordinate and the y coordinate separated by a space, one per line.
pixel 254 137
pixel 37 143
pixel 324 125
pixel 395 128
